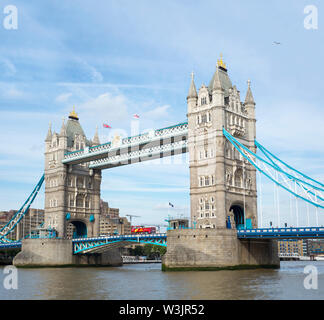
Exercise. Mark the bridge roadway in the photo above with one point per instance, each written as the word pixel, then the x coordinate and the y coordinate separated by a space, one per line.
pixel 100 244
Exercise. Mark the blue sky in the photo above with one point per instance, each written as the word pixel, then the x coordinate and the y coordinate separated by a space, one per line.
pixel 112 59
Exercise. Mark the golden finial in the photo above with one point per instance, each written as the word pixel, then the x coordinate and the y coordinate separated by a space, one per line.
pixel 73 114
pixel 221 63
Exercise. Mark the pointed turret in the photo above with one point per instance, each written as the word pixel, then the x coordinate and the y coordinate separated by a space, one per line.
pixel 95 140
pixel 217 89
pixel 63 129
pixel 216 81
pixel 192 90
pixel 249 96
pixel 49 133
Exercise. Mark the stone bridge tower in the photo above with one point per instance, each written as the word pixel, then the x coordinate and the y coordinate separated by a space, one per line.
pixel 223 191
pixel 72 192
pixel 222 183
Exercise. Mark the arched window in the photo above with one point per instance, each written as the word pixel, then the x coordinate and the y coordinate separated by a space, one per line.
pixel 80 182
pixel 79 201
pixel 238 178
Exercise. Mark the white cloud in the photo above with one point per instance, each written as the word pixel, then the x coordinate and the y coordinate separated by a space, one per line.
pixel 7 67
pixel 93 73
pixel 64 97
pixel 157 113
pixel 105 107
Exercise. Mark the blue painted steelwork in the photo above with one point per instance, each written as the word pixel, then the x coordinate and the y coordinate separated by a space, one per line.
pixel 282 233
pixel 270 155
pixel 244 151
pixel 10 226
pixel 11 245
pixel 139 145
pixel 89 245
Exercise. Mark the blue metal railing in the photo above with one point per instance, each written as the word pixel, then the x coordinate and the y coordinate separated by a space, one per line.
pixel 275 233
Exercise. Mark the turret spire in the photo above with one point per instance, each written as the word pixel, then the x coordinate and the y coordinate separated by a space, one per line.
pixel 249 96
pixel 49 133
pixel 63 129
pixel 73 114
pixel 192 90
pixel 217 83
pixel 96 140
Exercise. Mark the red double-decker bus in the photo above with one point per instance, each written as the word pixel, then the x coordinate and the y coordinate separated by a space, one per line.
pixel 141 229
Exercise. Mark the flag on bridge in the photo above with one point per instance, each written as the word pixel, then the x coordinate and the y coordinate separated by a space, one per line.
pixel 171 205
pixel 105 125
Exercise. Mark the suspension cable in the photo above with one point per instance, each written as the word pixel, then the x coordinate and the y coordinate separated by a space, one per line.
pixel 244 186
pixel 260 197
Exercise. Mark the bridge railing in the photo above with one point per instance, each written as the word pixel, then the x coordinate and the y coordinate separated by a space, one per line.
pixel 300 232
pixel 167 132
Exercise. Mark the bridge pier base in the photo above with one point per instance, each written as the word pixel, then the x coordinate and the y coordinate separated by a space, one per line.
pixel 59 253
pixel 217 249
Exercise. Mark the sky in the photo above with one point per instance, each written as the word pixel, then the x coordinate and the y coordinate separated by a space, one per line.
pixel 112 59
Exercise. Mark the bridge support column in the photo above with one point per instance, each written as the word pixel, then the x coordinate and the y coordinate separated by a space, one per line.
pixel 59 253
pixel 216 249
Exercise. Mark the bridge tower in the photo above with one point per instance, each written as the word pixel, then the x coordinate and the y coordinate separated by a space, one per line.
pixel 222 183
pixel 223 194
pixel 72 192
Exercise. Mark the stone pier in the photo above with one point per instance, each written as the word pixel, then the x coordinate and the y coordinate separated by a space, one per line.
pixel 217 249
pixel 59 253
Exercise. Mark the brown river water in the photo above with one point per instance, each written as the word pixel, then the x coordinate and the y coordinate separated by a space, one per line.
pixel 148 282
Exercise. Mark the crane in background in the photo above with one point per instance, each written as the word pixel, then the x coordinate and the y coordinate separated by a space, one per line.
pixel 131 216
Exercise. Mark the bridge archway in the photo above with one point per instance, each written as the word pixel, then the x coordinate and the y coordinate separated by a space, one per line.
pixel 78 229
pixel 238 213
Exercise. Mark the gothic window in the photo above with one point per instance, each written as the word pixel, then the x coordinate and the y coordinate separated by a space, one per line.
pixel 203 101
pixel 87 202
pixel 201 181
pixel 79 201
pixel 90 184
pixel 207 181
pixel 212 199
pixel 238 178
pixel 206 154
pixel 207 205
pixel 80 182
pixel 204 118
pixel 71 200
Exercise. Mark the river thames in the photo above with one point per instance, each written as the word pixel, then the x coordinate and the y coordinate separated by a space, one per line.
pixel 148 282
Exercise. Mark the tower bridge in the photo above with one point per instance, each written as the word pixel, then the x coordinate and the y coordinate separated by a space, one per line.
pixel 220 137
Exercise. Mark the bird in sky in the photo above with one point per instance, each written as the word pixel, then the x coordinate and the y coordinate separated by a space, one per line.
pixel 276 42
